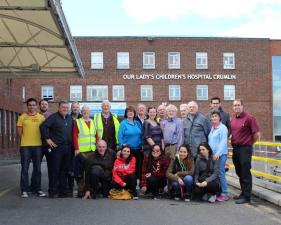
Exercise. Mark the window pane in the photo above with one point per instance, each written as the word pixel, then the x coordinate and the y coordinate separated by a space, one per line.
pixel 97 60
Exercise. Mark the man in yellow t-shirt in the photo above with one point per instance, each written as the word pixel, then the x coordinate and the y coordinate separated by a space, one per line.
pixel 30 148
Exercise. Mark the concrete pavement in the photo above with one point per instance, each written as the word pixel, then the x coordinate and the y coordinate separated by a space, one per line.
pixel 15 210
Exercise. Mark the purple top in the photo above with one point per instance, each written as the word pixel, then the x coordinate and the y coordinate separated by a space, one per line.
pixel 173 131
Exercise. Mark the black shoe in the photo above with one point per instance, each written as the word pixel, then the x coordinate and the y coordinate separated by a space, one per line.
pixel 238 197
pixel 53 195
pixel 63 195
pixel 242 201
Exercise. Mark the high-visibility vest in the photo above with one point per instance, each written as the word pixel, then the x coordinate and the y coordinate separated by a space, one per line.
pixel 99 125
pixel 86 136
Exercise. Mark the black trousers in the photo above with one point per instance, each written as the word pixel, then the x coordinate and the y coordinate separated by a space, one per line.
pixel 139 159
pixel 155 183
pixel 242 157
pixel 59 158
pixel 98 182
pixel 212 188
pixel 131 182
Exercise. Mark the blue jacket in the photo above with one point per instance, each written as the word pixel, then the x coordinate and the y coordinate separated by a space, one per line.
pixel 218 139
pixel 130 134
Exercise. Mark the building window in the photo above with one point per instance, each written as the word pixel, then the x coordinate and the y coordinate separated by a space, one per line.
pixel 229 92
pixel 47 92
pixel 202 92
pixel 146 93
pixel 118 93
pixel 75 92
pixel 228 60
pixel 149 60
pixel 97 60
pixel 97 92
pixel 201 60
pixel 174 92
pixel 173 60
pixel 123 60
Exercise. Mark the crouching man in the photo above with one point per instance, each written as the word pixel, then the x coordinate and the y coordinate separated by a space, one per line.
pixel 99 171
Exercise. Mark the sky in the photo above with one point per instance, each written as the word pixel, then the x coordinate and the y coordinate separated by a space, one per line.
pixel 196 18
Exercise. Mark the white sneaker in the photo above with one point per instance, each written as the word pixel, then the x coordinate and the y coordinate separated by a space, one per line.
pixel 212 198
pixel 41 194
pixel 24 194
pixel 136 198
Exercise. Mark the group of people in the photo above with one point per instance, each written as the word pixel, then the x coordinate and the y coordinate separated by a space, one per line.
pixel 150 151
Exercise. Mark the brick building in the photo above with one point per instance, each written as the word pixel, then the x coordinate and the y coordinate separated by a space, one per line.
pixel 128 70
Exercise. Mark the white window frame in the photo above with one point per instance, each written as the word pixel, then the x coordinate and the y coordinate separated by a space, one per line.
pixel 172 93
pixel 174 61
pixel 148 60
pixel 202 92
pixel 75 92
pixel 227 57
pixel 101 92
pixel 23 93
pixel 50 96
pixel 201 60
pixel 97 60
pixel 123 60
pixel 120 95
pixel 229 92
pixel 146 92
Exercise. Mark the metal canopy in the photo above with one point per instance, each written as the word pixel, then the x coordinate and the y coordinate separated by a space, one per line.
pixel 35 40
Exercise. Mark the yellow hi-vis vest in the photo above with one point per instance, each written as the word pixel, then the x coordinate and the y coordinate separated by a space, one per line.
pixel 86 136
pixel 99 125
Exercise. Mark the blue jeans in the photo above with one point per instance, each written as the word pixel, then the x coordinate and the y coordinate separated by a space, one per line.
pixel 222 177
pixel 28 154
pixel 188 183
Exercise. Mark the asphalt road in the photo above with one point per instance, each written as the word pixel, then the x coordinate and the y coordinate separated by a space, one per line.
pixel 43 211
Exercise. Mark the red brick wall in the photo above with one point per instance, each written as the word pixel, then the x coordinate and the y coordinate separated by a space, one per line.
pixel 10 106
pixel 252 60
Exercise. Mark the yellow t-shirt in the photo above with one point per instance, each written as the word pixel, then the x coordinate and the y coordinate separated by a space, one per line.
pixel 31 135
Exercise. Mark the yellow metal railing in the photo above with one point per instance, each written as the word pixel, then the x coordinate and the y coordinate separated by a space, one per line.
pixel 262 145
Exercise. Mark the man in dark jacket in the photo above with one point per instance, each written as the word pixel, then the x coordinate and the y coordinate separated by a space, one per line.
pixel 215 104
pixel 56 131
pixel 99 170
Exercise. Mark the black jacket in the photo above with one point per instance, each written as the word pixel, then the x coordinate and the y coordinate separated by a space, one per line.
pixel 102 164
pixel 57 128
pixel 206 170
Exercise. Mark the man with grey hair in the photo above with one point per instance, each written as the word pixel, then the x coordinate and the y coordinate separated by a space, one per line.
pixel 141 113
pixel 107 125
pixel 84 142
pixel 183 111
pixel 172 132
pixel 196 128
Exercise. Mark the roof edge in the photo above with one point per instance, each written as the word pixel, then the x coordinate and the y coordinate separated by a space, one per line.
pixel 57 9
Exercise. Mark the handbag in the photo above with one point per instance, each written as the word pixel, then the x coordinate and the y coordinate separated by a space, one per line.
pixel 119 194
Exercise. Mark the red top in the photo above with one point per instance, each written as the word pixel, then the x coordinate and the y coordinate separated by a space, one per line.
pixel 121 169
pixel 243 127
pixel 75 133
pixel 158 168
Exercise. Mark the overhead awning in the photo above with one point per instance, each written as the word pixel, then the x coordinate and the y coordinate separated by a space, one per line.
pixel 35 40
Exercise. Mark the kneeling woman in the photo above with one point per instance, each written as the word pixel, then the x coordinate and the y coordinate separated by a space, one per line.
pixel 180 173
pixel 154 171
pixel 123 173
pixel 206 174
